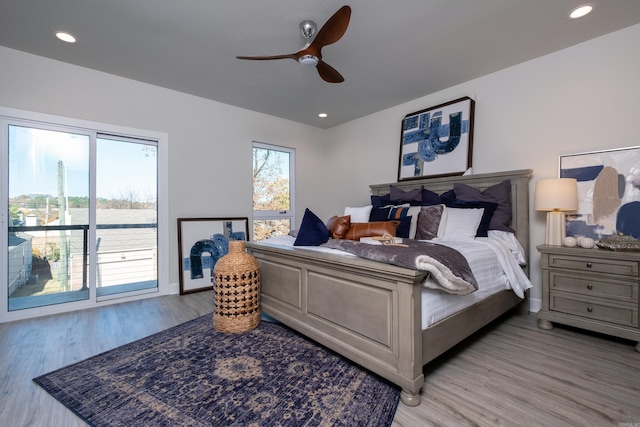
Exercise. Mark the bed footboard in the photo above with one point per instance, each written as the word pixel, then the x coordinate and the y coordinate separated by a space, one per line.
pixel 366 311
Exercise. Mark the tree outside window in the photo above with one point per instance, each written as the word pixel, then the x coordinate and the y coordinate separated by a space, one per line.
pixel 272 191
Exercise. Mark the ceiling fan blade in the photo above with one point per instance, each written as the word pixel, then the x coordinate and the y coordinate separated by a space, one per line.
pixel 331 32
pixel 333 29
pixel 328 73
pixel 267 58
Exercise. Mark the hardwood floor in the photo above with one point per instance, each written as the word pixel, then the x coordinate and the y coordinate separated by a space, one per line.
pixel 509 374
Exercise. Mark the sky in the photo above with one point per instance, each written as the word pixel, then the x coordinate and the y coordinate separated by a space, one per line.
pixel 123 168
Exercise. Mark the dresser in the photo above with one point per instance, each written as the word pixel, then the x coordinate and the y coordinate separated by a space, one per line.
pixel 594 289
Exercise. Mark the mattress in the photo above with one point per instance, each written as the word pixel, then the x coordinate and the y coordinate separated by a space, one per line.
pixel 493 264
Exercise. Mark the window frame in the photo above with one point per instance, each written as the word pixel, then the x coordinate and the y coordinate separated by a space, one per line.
pixel 265 215
pixel 94 129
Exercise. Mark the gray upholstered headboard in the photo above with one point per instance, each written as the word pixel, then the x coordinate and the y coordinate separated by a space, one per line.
pixel 519 195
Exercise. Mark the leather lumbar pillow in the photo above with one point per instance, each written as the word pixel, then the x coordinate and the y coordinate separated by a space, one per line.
pixel 340 227
pixel 370 229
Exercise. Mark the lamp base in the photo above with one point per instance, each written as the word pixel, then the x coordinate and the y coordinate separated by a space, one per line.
pixel 556 229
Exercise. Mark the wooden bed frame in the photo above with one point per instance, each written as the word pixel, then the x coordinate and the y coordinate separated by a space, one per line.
pixel 370 312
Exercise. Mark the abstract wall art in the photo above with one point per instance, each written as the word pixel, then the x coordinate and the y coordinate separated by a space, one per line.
pixel 201 243
pixel 437 141
pixel 608 192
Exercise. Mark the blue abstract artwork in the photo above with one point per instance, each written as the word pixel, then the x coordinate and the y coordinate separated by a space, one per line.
pixel 608 192
pixel 437 141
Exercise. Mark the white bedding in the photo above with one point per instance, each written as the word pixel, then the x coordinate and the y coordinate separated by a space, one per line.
pixel 493 264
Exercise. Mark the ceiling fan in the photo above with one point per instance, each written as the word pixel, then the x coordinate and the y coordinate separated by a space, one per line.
pixel 310 55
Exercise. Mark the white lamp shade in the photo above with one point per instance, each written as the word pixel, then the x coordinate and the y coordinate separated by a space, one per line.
pixel 557 194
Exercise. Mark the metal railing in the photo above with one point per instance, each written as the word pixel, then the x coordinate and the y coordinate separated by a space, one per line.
pixel 85 237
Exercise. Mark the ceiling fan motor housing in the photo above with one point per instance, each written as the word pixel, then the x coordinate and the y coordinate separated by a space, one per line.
pixel 308 29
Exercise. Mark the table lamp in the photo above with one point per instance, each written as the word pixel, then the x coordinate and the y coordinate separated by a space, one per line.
pixel 556 196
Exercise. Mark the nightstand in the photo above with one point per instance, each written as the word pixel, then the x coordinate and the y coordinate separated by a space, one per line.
pixel 594 289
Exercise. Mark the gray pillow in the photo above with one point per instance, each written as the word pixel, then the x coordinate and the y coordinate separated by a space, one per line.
pixel 428 222
pixel 499 193
pixel 399 196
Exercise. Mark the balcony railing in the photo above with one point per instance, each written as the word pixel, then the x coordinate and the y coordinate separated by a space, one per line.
pixel 126 255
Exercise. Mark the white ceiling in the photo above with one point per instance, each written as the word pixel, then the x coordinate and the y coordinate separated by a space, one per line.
pixel 392 52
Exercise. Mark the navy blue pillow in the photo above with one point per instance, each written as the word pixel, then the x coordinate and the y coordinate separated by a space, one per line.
pixel 404 227
pixel 489 209
pixel 378 201
pixel 312 231
pixel 448 197
pixel 430 198
pixel 379 214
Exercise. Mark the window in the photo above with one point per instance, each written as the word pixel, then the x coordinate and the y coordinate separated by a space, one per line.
pixel 273 190
pixel 83 214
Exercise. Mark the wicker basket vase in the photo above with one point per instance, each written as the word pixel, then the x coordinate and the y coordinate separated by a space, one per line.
pixel 237 290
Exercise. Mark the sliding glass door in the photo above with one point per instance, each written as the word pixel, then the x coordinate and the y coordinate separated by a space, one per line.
pixel 82 215
pixel 126 215
pixel 48 215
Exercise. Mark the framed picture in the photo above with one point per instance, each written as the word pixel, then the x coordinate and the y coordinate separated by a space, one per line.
pixel 608 192
pixel 437 141
pixel 201 243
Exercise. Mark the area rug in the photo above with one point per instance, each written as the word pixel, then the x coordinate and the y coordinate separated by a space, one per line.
pixel 192 375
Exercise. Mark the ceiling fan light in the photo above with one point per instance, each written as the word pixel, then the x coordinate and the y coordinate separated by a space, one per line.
pixel 308 60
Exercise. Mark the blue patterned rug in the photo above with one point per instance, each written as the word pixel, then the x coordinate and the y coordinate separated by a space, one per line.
pixel 192 375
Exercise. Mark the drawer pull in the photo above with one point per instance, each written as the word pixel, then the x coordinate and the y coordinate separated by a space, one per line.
pixel 589 309
pixel 590 286
pixel 589 265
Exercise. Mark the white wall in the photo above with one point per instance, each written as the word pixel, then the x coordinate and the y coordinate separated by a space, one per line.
pixel 579 99
pixel 209 142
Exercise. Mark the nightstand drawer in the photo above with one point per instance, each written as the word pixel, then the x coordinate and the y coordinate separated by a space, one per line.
pixel 595 265
pixel 595 309
pixel 593 285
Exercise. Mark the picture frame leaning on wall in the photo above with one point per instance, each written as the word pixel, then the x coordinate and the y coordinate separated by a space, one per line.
pixel 201 243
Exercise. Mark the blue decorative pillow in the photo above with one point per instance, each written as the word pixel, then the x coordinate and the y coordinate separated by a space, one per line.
pixel 398 212
pixel 448 197
pixel 312 231
pixel 430 198
pixel 379 214
pixel 379 201
pixel 404 227
pixel 489 209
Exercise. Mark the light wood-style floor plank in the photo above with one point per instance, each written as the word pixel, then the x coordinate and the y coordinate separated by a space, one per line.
pixel 509 374
pixel 513 374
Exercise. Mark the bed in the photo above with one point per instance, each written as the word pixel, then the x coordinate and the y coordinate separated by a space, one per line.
pixel 370 312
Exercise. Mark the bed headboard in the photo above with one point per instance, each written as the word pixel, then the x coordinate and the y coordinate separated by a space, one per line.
pixel 519 195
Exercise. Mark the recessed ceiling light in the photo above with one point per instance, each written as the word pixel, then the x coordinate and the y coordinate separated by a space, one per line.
pixel 323 115
pixel 66 37
pixel 581 11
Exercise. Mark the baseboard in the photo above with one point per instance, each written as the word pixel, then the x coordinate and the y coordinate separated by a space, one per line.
pixel 174 288
pixel 535 304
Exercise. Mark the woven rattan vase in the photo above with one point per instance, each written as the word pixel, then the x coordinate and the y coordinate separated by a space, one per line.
pixel 237 290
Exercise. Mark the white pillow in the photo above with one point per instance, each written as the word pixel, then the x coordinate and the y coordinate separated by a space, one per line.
pixel 462 224
pixel 360 214
pixel 443 223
